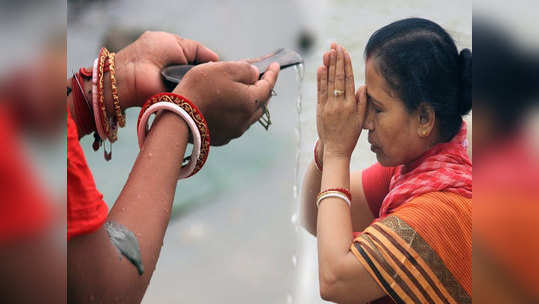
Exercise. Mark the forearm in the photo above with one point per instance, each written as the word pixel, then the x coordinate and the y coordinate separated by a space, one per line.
pixel 143 207
pixel 310 189
pixel 334 226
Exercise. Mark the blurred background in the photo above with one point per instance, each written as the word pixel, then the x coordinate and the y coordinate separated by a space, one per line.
pixel 234 226
pixel 233 235
pixel 506 154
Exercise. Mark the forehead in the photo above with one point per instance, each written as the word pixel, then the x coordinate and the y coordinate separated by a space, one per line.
pixel 377 86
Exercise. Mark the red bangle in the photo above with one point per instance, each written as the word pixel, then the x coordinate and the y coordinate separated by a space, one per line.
pixel 194 112
pixel 342 190
pixel 316 160
pixel 82 107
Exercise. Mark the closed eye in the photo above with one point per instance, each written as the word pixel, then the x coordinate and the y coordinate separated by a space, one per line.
pixel 371 103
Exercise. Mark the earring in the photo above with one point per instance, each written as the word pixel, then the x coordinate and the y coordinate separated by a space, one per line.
pixel 424 132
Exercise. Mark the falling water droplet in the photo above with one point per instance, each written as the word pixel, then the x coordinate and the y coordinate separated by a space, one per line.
pixel 294 218
pixel 289 299
pixel 294 260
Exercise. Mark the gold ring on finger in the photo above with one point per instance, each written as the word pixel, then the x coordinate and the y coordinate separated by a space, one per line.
pixel 338 93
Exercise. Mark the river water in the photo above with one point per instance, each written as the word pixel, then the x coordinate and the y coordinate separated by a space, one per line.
pixel 233 236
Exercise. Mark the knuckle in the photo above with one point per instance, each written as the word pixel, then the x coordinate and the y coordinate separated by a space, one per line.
pixel 244 65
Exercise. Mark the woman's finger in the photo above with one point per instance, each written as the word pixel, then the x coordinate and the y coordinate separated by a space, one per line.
pixel 325 58
pixel 349 76
pixel 318 76
pixel 339 72
pixel 261 89
pixel 331 73
pixel 323 85
pixel 194 51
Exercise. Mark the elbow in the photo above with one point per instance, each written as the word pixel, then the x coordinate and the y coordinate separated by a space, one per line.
pixel 328 282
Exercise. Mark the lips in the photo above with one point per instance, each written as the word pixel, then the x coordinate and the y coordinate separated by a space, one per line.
pixel 374 148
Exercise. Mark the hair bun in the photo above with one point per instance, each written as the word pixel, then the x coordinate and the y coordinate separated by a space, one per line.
pixel 465 85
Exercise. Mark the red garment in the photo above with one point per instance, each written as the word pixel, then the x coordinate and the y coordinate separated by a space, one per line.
pixel 86 210
pixel 24 209
pixel 375 180
pixel 445 167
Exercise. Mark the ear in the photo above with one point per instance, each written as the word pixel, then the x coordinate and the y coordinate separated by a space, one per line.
pixel 426 119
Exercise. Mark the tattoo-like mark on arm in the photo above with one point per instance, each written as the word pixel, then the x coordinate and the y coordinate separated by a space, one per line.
pixel 125 241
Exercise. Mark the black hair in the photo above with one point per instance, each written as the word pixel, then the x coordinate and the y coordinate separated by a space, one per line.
pixel 421 64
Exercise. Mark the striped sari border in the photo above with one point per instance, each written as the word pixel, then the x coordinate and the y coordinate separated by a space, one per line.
pixel 379 278
pixel 424 259
pixel 422 295
pixel 409 262
pixel 395 275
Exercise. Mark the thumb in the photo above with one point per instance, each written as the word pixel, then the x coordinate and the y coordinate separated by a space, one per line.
pixel 361 100
pixel 241 71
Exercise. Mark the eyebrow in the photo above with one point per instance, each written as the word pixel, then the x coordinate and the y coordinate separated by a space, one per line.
pixel 369 97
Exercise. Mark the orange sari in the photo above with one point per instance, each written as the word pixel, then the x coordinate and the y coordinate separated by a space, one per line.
pixel 422 251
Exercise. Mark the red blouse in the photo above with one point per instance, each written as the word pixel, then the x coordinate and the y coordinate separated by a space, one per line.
pixel 86 210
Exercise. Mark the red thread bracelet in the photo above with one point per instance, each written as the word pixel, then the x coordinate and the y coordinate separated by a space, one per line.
pixel 342 190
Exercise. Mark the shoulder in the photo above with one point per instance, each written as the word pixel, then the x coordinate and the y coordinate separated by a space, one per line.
pixel 437 208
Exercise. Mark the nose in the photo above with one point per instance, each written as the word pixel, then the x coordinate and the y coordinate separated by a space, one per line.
pixel 368 123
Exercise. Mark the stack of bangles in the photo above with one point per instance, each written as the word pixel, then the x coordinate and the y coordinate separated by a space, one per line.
pixel 192 117
pixel 341 193
pixel 94 116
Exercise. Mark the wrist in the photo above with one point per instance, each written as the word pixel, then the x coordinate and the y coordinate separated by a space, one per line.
pixel 126 84
pixel 173 124
pixel 192 97
pixel 334 155
pixel 335 159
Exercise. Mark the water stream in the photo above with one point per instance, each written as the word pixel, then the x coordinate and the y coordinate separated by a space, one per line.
pixel 297 178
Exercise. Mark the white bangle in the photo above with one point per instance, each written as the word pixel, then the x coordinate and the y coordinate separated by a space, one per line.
pixel 333 194
pixel 186 170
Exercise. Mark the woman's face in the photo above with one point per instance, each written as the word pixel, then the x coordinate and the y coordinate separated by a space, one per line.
pixel 393 131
